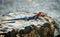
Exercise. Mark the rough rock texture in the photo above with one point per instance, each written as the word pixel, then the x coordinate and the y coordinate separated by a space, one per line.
pixel 51 7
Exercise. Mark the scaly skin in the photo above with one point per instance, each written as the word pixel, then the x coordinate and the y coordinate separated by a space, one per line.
pixel 48 31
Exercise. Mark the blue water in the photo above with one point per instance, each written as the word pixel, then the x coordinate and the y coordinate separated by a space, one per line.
pixel 50 7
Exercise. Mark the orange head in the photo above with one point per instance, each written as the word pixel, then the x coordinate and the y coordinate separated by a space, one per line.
pixel 38 14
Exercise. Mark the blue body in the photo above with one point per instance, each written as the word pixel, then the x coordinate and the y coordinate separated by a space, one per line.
pixel 25 18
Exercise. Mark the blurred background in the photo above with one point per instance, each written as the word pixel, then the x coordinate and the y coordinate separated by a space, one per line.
pixel 50 7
